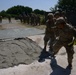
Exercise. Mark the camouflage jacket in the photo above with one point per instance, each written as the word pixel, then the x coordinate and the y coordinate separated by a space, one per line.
pixel 50 25
pixel 67 33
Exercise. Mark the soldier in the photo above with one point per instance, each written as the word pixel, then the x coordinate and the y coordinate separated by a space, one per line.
pixel 28 19
pixel 63 14
pixel 0 19
pixel 24 18
pixel 66 34
pixel 37 20
pixel 32 19
pixel 57 15
pixel 20 17
pixel 9 18
pixel 49 32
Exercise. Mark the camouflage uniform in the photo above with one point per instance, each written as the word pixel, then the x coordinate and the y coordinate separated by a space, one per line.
pixel 28 19
pixel 24 18
pixel 66 35
pixel 63 14
pixel 20 17
pixel 37 21
pixel 49 34
pixel 0 19
pixel 9 18
pixel 32 19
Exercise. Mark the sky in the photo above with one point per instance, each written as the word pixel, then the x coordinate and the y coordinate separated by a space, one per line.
pixel 34 4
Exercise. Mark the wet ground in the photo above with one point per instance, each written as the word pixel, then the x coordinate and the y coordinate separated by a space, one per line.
pixel 15 30
pixel 16 45
pixel 20 32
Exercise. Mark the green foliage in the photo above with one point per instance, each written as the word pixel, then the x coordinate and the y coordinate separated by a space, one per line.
pixel 42 19
pixel 67 5
pixel 42 12
pixel 37 11
pixel 16 10
pixel 3 13
pixel 53 9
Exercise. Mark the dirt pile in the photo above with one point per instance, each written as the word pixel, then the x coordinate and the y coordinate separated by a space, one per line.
pixel 18 51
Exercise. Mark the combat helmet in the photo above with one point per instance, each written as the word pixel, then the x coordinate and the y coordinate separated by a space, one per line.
pixel 60 20
pixel 50 15
pixel 57 14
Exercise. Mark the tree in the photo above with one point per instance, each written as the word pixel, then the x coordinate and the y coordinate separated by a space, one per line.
pixel 37 11
pixel 16 10
pixel 3 13
pixel 54 9
pixel 67 5
pixel 28 10
pixel 70 7
pixel 42 12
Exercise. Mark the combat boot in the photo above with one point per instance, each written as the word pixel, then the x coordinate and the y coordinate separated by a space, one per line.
pixel 69 66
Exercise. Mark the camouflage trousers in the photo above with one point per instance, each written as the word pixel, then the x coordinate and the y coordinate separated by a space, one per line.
pixel 69 49
pixel 47 37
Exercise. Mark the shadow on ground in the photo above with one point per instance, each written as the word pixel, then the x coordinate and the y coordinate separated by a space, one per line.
pixel 43 55
pixel 56 69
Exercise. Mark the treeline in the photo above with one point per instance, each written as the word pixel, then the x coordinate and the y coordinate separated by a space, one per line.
pixel 16 10
pixel 65 5
pixel 62 5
